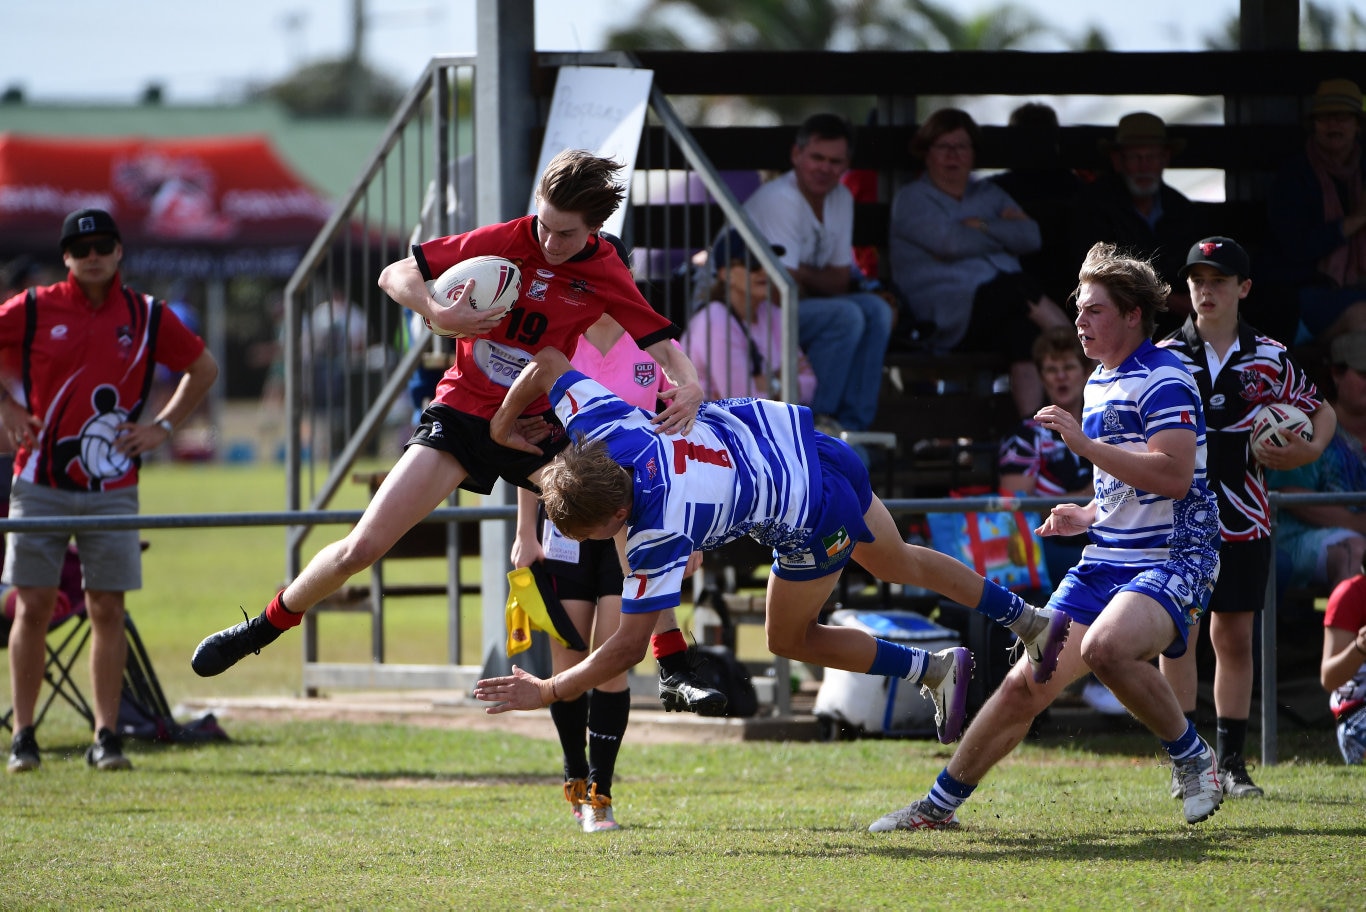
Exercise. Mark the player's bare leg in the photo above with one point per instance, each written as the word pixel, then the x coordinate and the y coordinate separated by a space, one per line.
pixel 419 482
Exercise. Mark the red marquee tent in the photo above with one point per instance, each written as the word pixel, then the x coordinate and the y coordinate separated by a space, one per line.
pixel 190 207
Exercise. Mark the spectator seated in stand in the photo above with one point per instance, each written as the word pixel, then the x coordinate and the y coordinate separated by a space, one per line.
pixel 1317 216
pixel 1047 190
pixel 736 341
pixel 1324 543
pixel 954 250
pixel 1136 210
pixel 843 328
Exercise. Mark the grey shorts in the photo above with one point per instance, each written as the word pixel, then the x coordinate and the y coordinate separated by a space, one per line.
pixel 111 560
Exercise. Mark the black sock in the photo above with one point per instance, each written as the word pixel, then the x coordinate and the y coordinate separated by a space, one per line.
pixel 607 716
pixel 571 722
pixel 1231 735
pixel 673 664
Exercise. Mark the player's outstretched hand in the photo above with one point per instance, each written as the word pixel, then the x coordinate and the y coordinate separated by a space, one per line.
pixel 1068 519
pixel 519 690
pixel 681 411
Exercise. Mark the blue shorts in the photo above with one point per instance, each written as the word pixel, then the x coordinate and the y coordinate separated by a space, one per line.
pixel 1352 737
pixel 843 499
pixel 1177 586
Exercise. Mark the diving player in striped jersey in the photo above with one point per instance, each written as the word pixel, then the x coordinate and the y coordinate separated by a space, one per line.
pixel 747 467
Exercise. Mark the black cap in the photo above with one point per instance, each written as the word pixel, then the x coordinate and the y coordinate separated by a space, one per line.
pixel 88 221
pixel 731 246
pixel 1224 254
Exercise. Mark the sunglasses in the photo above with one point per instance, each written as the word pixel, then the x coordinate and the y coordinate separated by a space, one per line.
pixel 81 249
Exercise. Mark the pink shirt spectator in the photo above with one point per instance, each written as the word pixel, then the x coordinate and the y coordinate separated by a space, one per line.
pixel 625 370
pixel 719 346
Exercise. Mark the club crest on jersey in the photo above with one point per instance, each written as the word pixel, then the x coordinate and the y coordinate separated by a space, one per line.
pixel 835 542
pixel 538 289
pixel 1110 422
pixel 125 334
pixel 1253 385
pixel 645 373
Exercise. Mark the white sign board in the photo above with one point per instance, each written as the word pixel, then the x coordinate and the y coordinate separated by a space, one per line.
pixel 601 109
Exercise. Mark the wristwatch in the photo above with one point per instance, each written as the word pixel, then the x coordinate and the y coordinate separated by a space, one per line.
pixel 165 425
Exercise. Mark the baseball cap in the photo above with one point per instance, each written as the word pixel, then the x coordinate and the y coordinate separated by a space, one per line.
pixel 1349 349
pixel 1224 254
pixel 731 246
pixel 88 221
pixel 1142 129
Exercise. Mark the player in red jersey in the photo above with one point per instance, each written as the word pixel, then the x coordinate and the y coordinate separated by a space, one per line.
pixel 570 277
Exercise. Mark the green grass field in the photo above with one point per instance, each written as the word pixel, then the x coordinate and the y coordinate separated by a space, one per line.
pixel 329 815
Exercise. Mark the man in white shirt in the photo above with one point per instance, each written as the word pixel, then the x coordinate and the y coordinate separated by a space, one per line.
pixel 844 332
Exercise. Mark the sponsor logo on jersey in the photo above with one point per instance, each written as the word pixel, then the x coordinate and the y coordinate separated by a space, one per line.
pixel 835 542
pixel 581 286
pixel 125 334
pixel 1113 494
pixel 59 331
pixel 651 468
pixel 545 273
pixel 645 373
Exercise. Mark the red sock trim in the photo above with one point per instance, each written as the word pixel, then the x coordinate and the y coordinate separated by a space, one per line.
pixel 668 643
pixel 281 617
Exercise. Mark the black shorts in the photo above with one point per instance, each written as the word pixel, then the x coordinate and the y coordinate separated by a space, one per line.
pixel 597 573
pixel 466 437
pixel 1244 567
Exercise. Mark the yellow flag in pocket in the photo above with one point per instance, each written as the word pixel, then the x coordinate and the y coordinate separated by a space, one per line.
pixel 526 610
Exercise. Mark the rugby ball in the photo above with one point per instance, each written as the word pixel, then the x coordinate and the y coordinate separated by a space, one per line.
pixel 497 282
pixel 1275 422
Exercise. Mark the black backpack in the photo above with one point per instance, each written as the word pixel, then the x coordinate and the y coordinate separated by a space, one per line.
pixel 718 667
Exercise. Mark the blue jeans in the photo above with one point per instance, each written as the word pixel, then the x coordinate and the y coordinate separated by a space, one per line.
pixel 845 339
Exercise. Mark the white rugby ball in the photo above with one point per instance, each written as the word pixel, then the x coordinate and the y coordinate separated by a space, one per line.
pixel 1275 422
pixel 497 283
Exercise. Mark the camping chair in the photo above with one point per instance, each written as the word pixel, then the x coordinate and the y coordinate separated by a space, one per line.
pixel 144 712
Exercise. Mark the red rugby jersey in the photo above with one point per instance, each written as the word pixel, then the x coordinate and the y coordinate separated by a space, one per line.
pixel 555 306
pixel 84 371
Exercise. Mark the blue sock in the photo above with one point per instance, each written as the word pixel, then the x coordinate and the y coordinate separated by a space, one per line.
pixel 948 793
pixel 1000 604
pixel 1188 745
pixel 896 661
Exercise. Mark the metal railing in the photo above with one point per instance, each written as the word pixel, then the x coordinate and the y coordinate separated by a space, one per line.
pixel 452 676
pixel 350 351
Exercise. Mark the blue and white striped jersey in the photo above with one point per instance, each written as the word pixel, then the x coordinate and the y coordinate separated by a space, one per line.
pixel 1150 392
pixel 748 467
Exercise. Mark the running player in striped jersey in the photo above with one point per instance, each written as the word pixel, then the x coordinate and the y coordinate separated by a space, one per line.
pixel 748 467
pixel 1146 578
